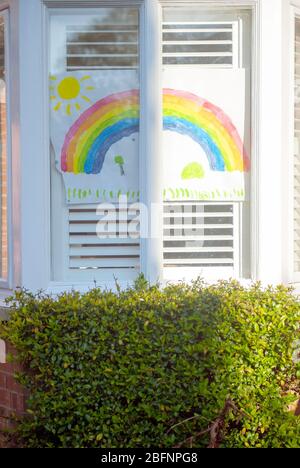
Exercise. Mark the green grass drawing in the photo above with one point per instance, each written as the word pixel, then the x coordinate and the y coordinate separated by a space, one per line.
pixel 99 194
pixel 178 193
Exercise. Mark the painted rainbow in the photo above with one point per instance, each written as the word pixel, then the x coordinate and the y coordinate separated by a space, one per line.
pixel 117 116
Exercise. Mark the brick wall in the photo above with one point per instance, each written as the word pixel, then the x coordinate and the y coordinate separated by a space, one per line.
pixel 12 395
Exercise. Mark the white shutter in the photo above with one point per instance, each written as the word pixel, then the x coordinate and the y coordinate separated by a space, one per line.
pixel 102 40
pixel 198 43
pixel 96 47
pixel 115 248
pixel 207 238
pixel 201 237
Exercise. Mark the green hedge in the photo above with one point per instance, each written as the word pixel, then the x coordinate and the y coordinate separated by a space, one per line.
pixel 188 366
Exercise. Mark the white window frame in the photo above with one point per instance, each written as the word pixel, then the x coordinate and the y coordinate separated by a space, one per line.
pixel 290 274
pixel 11 7
pixel 6 284
pixel 33 137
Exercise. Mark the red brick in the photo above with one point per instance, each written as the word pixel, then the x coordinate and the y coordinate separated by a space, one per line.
pixel 14 401
pixel 21 404
pixel 17 403
pixel 7 423
pixel 12 395
pixel 5 412
pixel 12 385
pixel 2 381
pixel 6 369
pixel 5 398
pixel 10 368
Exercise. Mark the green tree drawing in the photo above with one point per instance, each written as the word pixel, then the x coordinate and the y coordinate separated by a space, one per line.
pixel 119 160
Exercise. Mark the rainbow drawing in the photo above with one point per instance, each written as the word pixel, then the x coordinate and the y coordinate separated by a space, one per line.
pixel 117 116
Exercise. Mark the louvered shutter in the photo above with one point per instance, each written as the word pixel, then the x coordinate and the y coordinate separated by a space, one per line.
pixel 96 44
pixel 200 235
pixel 201 44
pixel 205 238
pixel 102 46
pixel 89 250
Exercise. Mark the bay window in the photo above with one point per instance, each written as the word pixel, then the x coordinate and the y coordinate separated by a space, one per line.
pixel 147 136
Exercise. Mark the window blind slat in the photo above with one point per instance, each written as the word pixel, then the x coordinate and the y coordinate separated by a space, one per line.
pixel 209 44
pixel 199 235
pixel 101 47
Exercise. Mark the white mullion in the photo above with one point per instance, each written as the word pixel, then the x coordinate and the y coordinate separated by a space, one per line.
pixel 150 137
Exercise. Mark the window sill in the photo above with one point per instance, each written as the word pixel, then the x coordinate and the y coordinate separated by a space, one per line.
pixel 56 288
pixel 83 287
pixel 296 287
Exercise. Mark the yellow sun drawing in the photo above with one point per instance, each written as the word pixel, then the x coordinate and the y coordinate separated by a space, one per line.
pixel 70 90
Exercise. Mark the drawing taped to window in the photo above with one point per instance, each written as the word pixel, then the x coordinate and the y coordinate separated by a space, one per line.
pixel 94 132
pixel 204 156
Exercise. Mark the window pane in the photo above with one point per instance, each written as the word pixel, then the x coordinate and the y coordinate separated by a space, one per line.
pixel 3 158
pixel 297 152
pixel 193 36
pixel 206 144
pixel 94 105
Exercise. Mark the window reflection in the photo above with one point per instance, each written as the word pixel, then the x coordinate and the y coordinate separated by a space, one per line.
pixel 3 159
